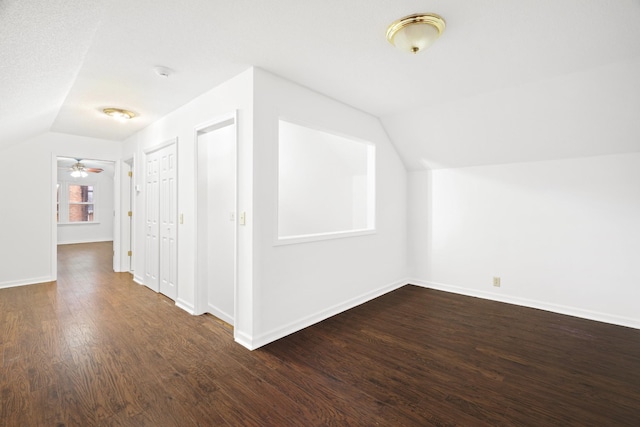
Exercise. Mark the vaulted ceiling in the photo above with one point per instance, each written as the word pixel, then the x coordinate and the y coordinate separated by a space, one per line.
pixel 62 61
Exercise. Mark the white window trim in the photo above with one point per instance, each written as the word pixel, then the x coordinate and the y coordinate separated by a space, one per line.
pixel 63 203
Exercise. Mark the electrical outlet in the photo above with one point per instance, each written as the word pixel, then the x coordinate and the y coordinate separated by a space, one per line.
pixel 496 282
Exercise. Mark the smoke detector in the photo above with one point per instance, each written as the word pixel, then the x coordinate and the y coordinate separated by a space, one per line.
pixel 162 71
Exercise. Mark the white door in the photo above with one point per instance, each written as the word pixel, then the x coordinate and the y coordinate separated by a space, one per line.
pixel 152 249
pixel 160 264
pixel 168 213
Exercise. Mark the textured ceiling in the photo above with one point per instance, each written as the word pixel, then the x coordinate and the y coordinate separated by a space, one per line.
pixel 62 61
pixel 42 48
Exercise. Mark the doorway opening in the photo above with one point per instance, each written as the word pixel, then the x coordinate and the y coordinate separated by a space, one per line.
pixel 217 217
pixel 85 197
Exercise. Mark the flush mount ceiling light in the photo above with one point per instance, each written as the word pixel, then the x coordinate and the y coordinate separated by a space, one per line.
pixel 119 114
pixel 415 33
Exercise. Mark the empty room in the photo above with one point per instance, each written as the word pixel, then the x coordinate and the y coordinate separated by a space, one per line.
pixel 408 213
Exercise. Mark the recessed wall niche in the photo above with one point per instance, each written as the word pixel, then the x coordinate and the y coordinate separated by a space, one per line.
pixel 326 185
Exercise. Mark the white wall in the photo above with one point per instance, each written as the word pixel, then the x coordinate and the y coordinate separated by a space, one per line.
pixel 280 289
pixel 28 232
pixel 563 235
pixel 102 229
pixel 300 284
pixel 235 94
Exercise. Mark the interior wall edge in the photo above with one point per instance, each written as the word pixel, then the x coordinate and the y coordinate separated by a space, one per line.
pixel 243 339
pixel 525 302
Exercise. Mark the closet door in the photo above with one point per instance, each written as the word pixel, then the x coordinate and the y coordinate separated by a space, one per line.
pixel 167 217
pixel 152 229
pixel 160 257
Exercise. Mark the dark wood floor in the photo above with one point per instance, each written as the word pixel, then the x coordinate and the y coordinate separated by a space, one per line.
pixel 97 349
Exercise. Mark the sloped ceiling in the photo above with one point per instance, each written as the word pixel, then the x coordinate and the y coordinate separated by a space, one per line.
pixel 62 61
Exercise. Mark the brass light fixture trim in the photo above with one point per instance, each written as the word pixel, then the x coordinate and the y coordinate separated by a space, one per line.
pixel 119 113
pixel 420 41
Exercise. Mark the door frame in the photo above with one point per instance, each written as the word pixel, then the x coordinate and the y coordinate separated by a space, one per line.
pixel 127 223
pixel 54 224
pixel 201 290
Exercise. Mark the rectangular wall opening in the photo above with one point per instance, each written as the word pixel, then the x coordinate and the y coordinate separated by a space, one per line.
pixel 326 185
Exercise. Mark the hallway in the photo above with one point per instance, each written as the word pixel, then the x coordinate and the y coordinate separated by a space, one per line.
pixel 95 348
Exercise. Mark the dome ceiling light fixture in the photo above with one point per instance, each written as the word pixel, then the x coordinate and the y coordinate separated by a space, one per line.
pixel 119 114
pixel 416 32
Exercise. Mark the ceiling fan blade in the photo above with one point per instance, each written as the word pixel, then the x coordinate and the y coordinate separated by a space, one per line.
pixel 94 170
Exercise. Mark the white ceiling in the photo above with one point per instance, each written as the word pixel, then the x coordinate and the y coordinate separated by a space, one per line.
pixel 62 61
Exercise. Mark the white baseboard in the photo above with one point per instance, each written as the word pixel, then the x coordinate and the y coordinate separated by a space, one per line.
pixel 525 302
pixel 75 242
pixel 25 282
pixel 139 280
pixel 243 339
pixel 276 334
pixel 220 314
pixel 185 306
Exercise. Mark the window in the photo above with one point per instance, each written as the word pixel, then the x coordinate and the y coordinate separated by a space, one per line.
pixel 326 185
pixel 81 207
pixel 76 203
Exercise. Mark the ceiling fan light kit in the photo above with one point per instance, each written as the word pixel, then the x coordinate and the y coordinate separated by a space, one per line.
pixel 416 32
pixel 119 114
pixel 79 170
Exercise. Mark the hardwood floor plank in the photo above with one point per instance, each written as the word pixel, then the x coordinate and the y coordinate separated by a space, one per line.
pixel 95 348
pixel 15 406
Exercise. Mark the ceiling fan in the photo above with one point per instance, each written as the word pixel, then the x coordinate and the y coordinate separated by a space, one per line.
pixel 79 170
